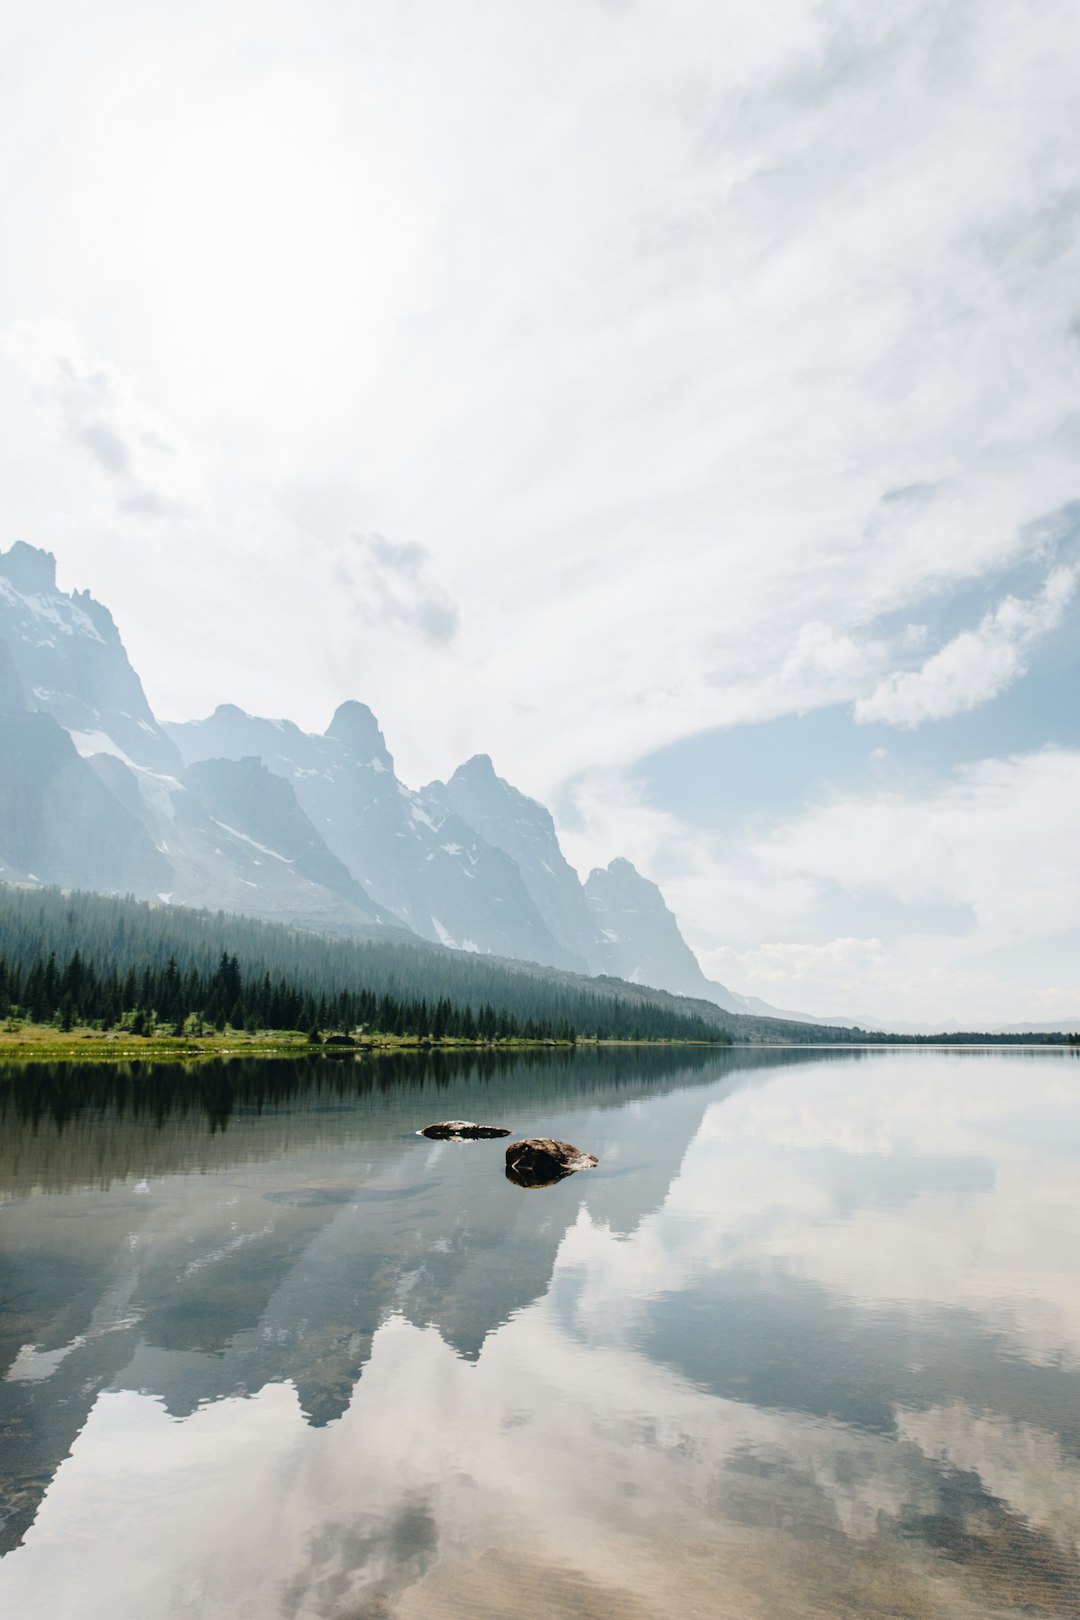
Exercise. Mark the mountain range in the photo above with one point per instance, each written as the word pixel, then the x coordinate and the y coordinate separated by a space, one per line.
pixel 255 816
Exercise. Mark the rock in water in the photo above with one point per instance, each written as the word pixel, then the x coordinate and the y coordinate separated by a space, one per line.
pixel 537 1161
pixel 461 1130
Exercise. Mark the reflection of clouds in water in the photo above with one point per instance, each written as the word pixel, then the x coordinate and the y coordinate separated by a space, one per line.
pixel 567 1453
pixel 616 1471
pixel 613 1465
pixel 1021 1465
pixel 32 1364
pixel 1005 1251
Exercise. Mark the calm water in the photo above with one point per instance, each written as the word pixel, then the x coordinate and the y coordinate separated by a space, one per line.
pixel 807 1342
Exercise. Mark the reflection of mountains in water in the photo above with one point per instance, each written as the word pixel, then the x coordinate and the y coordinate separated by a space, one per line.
pixel 67 1125
pixel 313 1212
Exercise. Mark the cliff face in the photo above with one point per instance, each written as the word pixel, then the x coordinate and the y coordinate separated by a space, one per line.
pixel 252 815
pixel 71 663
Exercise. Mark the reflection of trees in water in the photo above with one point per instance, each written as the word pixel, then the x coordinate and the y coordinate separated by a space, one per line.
pixel 66 1125
pixel 215 1089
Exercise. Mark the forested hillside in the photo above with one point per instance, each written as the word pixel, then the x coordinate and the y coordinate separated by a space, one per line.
pixel 301 977
pixel 92 958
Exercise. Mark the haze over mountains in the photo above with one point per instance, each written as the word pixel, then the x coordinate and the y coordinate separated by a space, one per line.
pixel 239 813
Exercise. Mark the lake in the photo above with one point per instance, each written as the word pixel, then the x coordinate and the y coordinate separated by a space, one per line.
pixel 805 1343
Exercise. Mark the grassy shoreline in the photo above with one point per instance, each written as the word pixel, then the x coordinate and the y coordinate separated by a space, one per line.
pixel 43 1043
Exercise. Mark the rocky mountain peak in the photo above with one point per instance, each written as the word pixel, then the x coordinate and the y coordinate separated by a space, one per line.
pixel 357 729
pixel 641 938
pixel 621 879
pixel 28 568
pixel 477 769
pixel 524 830
pixel 71 663
pixel 274 821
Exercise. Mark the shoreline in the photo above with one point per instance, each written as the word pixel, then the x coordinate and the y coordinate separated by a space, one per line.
pixel 44 1044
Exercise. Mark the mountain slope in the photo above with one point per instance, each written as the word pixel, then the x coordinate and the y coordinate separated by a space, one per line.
pixel 59 823
pixel 233 838
pixel 524 830
pixel 640 937
pixel 71 662
pixel 321 832
pixel 414 856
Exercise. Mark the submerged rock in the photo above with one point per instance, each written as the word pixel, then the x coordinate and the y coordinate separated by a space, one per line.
pixel 538 1161
pixel 461 1130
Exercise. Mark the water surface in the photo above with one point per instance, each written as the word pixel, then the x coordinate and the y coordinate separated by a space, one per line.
pixel 807 1342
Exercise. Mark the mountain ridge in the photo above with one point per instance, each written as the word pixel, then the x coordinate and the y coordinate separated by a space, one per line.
pixel 264 818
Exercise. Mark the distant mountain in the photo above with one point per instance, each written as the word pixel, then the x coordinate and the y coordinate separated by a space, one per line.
pixel 71 663
pixel 524 830
pixel 59 823
pixel 245 814
pixel 639 937
pixel 415 857
pixel 1061 1026
pixel 640 941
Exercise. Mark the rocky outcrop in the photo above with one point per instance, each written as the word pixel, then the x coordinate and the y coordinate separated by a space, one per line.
pixel 71 663
pixel 641 938
pixel 416 857
pixel 341 844
pixel 538 1161
pixel 461 1130
pixel 525 831
pixel 60 824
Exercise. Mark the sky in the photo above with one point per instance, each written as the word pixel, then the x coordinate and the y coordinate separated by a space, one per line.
pixel 676 401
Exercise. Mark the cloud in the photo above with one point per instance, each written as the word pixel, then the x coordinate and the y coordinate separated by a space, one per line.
pixel 998 836
pixel 90 406
pixel 392 585
pixel 1017 1463
pixel 824 664
pixel 778 969
pixel 853 1194
pixel 761 334
pixel 977 664
pixel 639 371
pixel 945 873
pixel 107 447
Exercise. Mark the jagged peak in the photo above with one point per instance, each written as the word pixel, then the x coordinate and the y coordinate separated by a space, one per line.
pixel 620 867
pixel 481 787
pixel 621 877
pixel 28 567
pixel 477 769
pixel 231 714
pixel 355 726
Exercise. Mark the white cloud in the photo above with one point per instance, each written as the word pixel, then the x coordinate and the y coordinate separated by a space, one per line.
pixel 823 664
pixel 662 389
pixel 992 846
pixel 999 836
pixel 1025 1466
pixel 673 1491
pixel 92 408
pixel 977 664
pixel 926 981
pixel 760 327
pixel 392 585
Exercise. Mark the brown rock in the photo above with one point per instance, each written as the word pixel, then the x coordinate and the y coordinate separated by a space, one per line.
pixel 461 1130
pixel 538 1161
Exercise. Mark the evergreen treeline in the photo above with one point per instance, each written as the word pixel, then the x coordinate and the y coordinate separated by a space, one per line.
pixel 88 959
pixel 111 933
